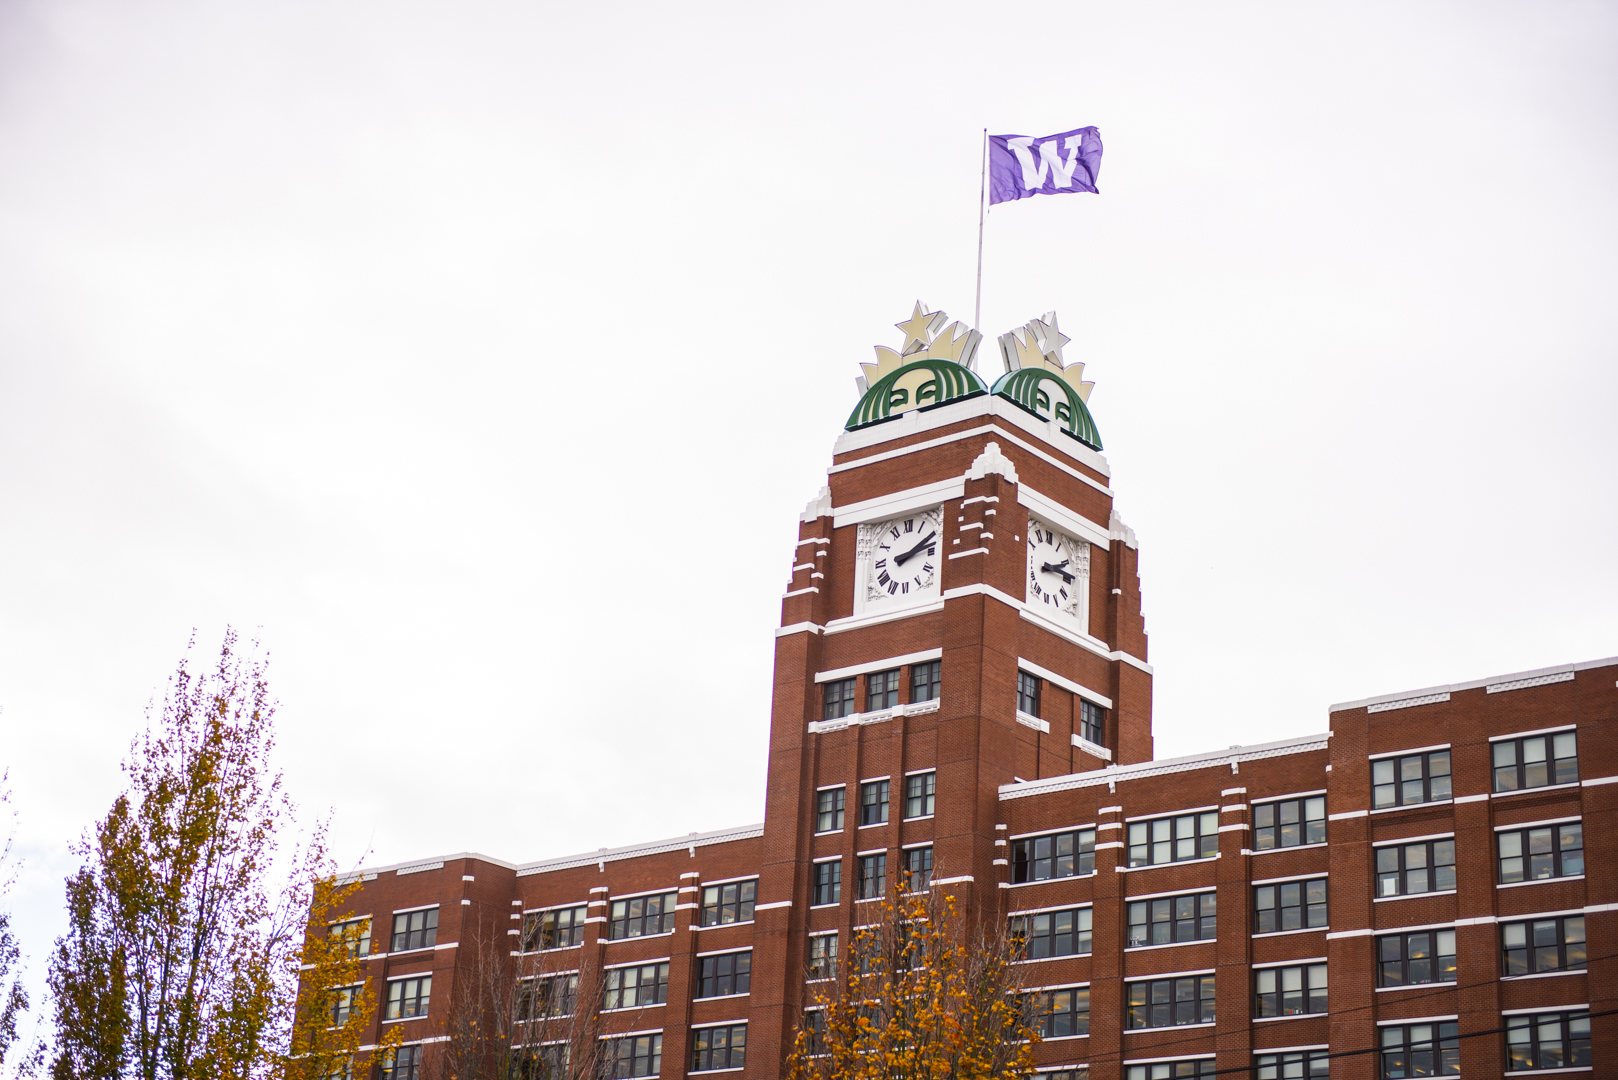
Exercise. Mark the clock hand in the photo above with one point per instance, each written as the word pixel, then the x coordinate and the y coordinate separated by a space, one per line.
pixel 900 561
pixel 1057 569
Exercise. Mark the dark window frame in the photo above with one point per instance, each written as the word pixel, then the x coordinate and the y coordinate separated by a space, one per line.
pixel 636 1062
pixel 624 922
pixel 1203 919
pixel 874 802
pixel 1394 782
pixel 882 690
pixel 1435 1053
pixel 873 880
pixel 547 929
pixel 826 882
pixel 409 936
pixel 1315 1065
pixel 542 990
pixel 1564 854
pixel 1270 823
pixel 705 1048
pixel 725 974
pixel 1520 773
pixel 1030 853
pixel 1042 935
pixel 1272 996
pixel 1028 694
pixel 921 794
pixel 1400 969
pixel 1060 1012
pixel 1408 862
pixel 926 681
pixel 1571 1052
pixel 1165 1001
pixel 1204 838
pixel 822 963
pixel 837 698
pixel 616 991
pixel 1572 952
pixel 918 862
pixel 829 804
pixel 402 1063
pixel 1092 722
pixel 718 902
pixel 1282 891
pixel 359 944
pixel 1183 1069
pixel 413 999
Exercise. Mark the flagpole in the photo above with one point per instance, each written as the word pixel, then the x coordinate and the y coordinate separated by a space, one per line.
pixel 977 309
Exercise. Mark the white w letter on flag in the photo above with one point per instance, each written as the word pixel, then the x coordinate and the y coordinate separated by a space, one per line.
pixel 1033 175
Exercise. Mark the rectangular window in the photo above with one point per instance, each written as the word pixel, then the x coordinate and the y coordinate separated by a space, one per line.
pixel 1404 869
pixel 551 995
pixel 1289 823
pixel 1550 1040
pixel 1092 722
pixel 881 690
pixel 874 802
pixel 1536 761
pixel 1290 991
pixel 415 930
pixel 1543 945
pixel 558 928
pixel 829 809
pixel 1411 779
pixel 342 1004
pixel 814 1024
pixel 1027 693
pixel 1052 933
pixel 924 681
pixel 722 976
pixel 839 699
pixel 1078 1072
pixel 636 1055
pixel 402 1064
pixel 920 790
pixel 634 987
pixel 1171 1002
pixel 1172 1070
pixel 828 883
pixel 719 1048
pixel 729 903
pixel 873 876
pixel 642 915
pixel 1411 959
pixel 1293 1065
pixel 357 932
pixel 408 998
pixel 1059 1013
pixel 1174 839
pixel 1060 855
pixel 823 956
pixel 1290 905
pixel 1548 851
pixel 918 868
pixel 1421 1050
pixel 1168 919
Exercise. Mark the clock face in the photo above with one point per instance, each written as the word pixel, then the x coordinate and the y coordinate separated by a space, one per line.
pixel 1058 569
pixel 902 560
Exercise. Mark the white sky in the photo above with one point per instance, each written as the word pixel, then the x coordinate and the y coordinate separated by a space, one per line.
pixel 480 358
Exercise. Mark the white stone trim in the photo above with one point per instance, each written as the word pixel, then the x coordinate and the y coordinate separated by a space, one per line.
pixel 1414 840
pixel 1383 755
pixel 1114 774
pixel 417 868
pixel 1065 683
pixel 884 507
pixel 1407 703
pixel 884 614
pixel 1474 684
pixel 1093 749
pixel 1531 681
pixel 1530 734
pixel 819 727
pixel 879 665
pixel 1033 722
pixel 1070 522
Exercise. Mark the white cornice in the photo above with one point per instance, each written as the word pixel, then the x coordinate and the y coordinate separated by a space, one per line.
pixel 1439 693
pixel 917 421
pixel 1065 683
pixel 886 506
pixel 879 665
pixel 1117 774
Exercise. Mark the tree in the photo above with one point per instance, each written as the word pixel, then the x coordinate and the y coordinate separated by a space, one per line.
pixel 183 942
pixel 13 997
pixel 921 996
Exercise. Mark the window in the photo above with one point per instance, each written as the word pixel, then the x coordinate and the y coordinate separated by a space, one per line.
pixel 920 789
pixel 559 928
pixel 1092 722
pixel 839 699
pixel 823 956
pixel 1536 761
pixel 1293 1065
pixel 1171 1070
pixel 1171 1002
pixel 1413 778
pixel 415 930
pixel 550 995
pixel 729 903
pixel 637 1055
pixel 1411 959
pixel 1079 1072
pixel 1421 1050
pixel 829 810
pixel 1167 919
pixel 1403 869
pixel 918 868
pixel 1290 991
pixel 1059 1013
pixel 873 876
pixel 1027 693
pixel 357 932
pixel 1555 1040
pixel 1549 851
pixel 874 802
pixel 402 1064
pixel 339 1070
pixel 881 690
pixel 722 976
pixel 342 1004
pixel 1289 823
pixel 719 1048
pixel 1069 854
pixel 548 1061
pixel 814 1024
pixel 1290 905
pixel 1543 945
pixel 1175 839
pixel 1052 933
pixel 924 681
pixel 642 915
pixel 828 883
pixel 634 987
pixel 408 998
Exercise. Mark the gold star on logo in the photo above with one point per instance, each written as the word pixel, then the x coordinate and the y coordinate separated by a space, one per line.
pixel 922 327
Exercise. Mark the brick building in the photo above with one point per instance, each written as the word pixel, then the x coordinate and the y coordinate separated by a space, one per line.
pixel 962 690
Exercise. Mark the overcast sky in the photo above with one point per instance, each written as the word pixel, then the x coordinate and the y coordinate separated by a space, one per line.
pixel 479 358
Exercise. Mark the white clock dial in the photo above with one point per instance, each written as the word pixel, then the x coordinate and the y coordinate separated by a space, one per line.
pixel 1058 569
pixel 902 560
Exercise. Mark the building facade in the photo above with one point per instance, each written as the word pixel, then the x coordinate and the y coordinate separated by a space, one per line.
pixel 962 692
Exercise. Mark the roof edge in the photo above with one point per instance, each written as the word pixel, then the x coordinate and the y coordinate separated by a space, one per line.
pixel 1208 759
pixel 1473 684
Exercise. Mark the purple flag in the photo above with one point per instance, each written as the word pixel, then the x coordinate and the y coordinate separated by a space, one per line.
pixel 1020 165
